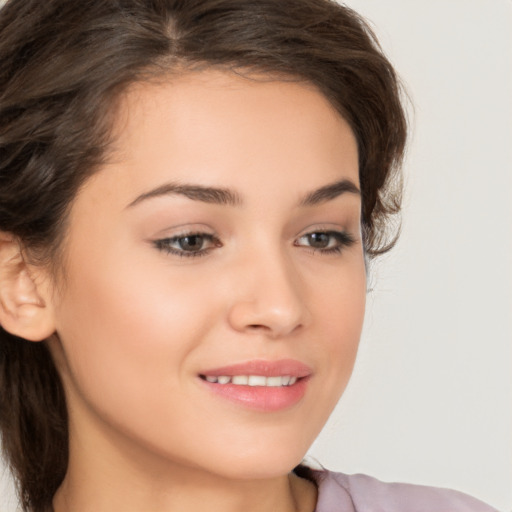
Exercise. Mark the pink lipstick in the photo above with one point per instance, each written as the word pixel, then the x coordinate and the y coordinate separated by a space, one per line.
pixel 260 385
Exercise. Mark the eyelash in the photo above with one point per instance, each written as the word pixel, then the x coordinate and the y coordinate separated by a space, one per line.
pixel 343 240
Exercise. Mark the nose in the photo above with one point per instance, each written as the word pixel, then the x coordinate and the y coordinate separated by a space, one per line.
pixel 269 297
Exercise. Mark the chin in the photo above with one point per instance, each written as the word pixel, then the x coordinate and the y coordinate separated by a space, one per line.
pixel 265 463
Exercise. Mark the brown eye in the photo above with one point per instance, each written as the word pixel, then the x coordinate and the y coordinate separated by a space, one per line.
pixel 191 242
pixel 325 242
pixel 319 240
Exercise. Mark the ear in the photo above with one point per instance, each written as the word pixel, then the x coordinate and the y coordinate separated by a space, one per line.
pixel 25 305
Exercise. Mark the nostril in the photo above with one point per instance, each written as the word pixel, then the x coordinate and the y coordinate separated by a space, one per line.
pixel 257 326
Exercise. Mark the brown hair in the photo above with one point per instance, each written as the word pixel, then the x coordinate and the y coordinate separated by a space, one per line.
pixel 64 63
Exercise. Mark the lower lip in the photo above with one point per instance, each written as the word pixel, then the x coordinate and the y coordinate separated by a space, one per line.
pixel 261 398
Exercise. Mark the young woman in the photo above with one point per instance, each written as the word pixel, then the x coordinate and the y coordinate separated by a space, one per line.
pixel 189 192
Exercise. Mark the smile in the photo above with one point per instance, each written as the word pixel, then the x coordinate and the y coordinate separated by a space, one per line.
pixel 265 386
pixel 252 380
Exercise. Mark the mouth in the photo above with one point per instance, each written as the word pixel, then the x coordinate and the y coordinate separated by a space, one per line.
pixel 260 385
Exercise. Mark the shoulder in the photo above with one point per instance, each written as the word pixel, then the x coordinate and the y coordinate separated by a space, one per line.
pixel 338 492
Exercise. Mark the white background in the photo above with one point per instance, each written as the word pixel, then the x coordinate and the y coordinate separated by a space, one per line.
pixel 431 397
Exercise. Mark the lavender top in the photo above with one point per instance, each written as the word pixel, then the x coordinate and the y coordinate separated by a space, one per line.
pixel 360 493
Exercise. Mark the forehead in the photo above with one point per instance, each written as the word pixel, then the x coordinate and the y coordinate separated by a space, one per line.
pixel 206 116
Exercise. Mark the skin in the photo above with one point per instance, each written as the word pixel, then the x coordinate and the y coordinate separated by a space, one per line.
pixel 136 324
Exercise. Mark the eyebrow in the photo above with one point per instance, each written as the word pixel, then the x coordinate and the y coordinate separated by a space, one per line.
pixel 329 192
pixel 195 192
pixel 229 197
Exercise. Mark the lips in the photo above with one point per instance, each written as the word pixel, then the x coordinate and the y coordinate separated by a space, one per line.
pixel 260 367
pixel 260 385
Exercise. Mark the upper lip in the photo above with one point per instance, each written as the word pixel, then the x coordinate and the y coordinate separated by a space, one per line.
pixel 288 367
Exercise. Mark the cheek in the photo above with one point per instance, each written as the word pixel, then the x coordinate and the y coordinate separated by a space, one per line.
pixel 340 314
pixel 126 331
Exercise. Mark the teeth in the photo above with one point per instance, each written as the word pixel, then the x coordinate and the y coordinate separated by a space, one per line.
pixel 257 380
pixel 253 380
pixel 275 382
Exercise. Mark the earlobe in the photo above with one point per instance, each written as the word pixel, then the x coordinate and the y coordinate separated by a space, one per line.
pixel 25 308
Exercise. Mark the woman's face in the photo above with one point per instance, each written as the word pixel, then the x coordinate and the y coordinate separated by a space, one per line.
pixel 214 278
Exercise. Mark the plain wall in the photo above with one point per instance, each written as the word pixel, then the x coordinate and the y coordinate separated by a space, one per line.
pixel 431 397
